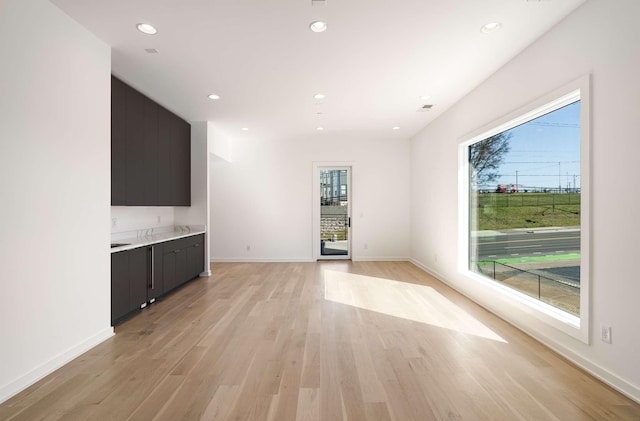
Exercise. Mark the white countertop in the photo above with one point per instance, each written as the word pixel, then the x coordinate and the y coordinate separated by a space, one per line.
pixel 148 237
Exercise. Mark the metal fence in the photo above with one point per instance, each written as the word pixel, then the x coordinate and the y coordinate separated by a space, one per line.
pixel 564 295
pixel 333 227
pixel 505 200
pixel 333 200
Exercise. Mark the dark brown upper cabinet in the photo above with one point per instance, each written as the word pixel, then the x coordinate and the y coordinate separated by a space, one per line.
pixel 118 142
pixel 150 151
pixel 142 150
pixel 174 160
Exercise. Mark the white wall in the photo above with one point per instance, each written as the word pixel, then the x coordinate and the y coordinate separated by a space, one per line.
pixel 55 191
pixel 220 144
pixel 264 198
pixel 133 218
pixel 600 38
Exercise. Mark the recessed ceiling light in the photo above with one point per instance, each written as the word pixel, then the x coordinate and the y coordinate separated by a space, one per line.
pixel 147 28
pixel 425 97
pixel 319 129
pixel 319 96
pixel 318 26
pixel 214 96
pixel 490 27
pixel 395 128
pixel 244 129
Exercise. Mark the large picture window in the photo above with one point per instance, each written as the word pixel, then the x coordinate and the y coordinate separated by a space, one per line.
pixel 525 206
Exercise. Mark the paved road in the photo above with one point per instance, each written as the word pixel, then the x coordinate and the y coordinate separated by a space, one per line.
pixel 515 244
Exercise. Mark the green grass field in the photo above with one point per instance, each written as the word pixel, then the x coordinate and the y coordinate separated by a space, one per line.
pixel 532 259
pixel 497 211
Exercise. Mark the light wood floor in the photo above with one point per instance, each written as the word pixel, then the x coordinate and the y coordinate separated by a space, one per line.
pixel 318 341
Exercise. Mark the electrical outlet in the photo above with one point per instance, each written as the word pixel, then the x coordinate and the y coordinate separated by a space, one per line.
pixel 366 246
pixel 248 247
pixel 605 333
pixel 159 219
pixel 114 222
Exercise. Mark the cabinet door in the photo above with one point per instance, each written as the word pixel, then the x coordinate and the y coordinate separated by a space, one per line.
pixel 182 261
pixel 169 270
pixel 181 186
pixel 119 285
pixel 166 138
pixel 150 149
pixel 155 287
pixel 182 271
pixel 138 277
pixel 142 150
pixel 195 257
pixel 118 142
pixel 174 270
pixel 174 160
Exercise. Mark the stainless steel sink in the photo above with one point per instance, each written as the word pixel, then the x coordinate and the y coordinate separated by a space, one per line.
pixel 119 244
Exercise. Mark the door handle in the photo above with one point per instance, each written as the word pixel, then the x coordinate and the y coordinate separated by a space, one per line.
pixel 349 222
pixel 150 268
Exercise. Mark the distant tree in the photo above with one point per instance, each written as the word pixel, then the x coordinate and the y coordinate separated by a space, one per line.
pixel 486 156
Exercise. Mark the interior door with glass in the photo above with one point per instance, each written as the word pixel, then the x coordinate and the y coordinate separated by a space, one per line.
pixel 335 212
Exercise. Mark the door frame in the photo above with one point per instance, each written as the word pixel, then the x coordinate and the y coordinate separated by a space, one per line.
pixel 331 165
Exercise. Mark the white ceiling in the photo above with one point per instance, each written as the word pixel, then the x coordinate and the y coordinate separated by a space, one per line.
pixel 373 63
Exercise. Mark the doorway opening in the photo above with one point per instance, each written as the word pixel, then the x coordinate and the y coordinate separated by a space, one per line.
pixel 333 227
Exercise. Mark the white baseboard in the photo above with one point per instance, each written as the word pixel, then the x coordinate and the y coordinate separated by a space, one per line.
pixel 380 259
pixel 433 273
pixel 278 260
pixel 21 383
pixel 258 260
pixel 621 385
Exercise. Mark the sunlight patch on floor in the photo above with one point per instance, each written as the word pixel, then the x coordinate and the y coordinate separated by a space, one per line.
pixel 418 303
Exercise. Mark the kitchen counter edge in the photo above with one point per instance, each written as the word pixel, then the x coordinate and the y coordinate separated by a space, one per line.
pixel 134 243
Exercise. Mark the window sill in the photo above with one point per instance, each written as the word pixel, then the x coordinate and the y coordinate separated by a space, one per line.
pixel 552 316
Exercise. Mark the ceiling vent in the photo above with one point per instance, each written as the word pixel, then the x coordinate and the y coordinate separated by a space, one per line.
pixel 151 50
pixel 425 108
pixel 318 2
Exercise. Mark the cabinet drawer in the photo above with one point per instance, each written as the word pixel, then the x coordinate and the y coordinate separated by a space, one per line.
pixel 175 245
pixel 183 243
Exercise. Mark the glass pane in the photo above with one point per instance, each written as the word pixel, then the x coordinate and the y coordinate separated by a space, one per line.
pixel 334 212
pixel 524 200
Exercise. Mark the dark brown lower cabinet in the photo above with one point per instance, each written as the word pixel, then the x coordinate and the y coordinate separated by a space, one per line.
pixel 138 275
pixel 174 264
pixel 195 258
pixel 141 275
pixel 155 281
pixel 183 260
pixel 119 285
pixel 128 282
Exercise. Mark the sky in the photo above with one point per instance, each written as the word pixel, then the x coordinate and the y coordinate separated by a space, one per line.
pixel 545 152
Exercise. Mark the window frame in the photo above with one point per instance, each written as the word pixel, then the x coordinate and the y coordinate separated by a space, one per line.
pixel 574 326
